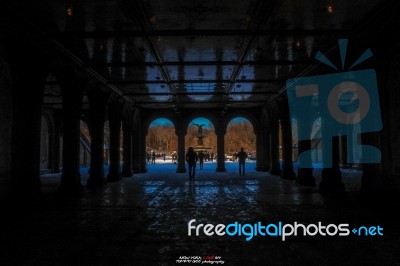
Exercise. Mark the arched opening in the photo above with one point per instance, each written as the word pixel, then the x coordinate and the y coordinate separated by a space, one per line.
pixel 161 145
pixel 201 136
pixel 239 134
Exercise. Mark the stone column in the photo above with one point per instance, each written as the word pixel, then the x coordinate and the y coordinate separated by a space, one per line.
pixel 181 133
pixel 143 154
pixel 259 149
pixel 371 182
pixel 57 145
pixel 115 130
pixel 127 152
pixel 72 92
pixel 274 140
pixel 331 183
pixel 266 151
pixel 287 168
pixel 6 91
pixel 98 102
pixel 25 123
pixel 305 175
pixel 220 149
pixel 343 151
pixel 136 147
pixel 54 144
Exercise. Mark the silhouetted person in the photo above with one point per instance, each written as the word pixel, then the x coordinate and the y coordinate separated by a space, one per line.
pixel 164 156
pixel 191 159
pixel 212 156
pixel 242 156
pixel 153 158
pixel 201 160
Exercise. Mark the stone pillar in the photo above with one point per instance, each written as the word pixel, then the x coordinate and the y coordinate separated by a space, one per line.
pixel 331 183
pixel 21 95
pixel 266 151
pixel 143 154
pixel 136 147
pixel 127 152
pixel 115 130
pixel 97 101
pixel 274 142
pixel 72 92
pixel 287 168
pixel 371 183
pixel 56 145
pixel 343 151
pixel 259 149
pixel 181 133
pixel 220 149
pixel 305 175
pixel 6 90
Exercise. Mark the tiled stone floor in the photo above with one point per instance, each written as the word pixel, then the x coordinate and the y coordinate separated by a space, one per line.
pixel 142 220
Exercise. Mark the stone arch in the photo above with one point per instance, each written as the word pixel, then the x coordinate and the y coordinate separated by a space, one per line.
pixel 249 116
pixel 193 115
pixel 161 138
pixel 149 119
pixel 233 142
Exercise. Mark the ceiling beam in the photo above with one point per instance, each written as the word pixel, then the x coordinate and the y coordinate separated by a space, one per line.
pixel 262 14
pixel 203 63
pixel 99 34
pixel 199 93
pixel 138 15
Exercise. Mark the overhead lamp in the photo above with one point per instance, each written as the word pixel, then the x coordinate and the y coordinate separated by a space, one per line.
pixel 69 11
pixel 330 9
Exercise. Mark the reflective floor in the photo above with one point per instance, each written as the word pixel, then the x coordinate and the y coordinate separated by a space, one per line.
pixel 143 220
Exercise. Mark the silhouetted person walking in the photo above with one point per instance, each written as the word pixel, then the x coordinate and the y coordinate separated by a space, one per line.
pixel 191 159
pixel 153 158
pixel 201 160
pixel 242 156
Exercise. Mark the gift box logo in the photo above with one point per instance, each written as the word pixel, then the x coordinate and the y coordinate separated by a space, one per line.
pixel 344 104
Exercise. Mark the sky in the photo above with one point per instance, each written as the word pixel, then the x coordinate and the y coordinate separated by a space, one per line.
pixel 199 120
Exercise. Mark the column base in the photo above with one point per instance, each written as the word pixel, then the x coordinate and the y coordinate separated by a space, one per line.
pixel 127 173
pixel 305 177
pixel 258 168
pixel 144 170
pixel 288 174
pixel 181 170
pixel 70 190
pixel 113 177
pixel 275 171
pixel 220 169
pixel 265 168
pixel 95 182
pixel 331 183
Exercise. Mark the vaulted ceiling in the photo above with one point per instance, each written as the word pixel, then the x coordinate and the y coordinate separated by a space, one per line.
pixel 180 54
